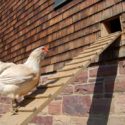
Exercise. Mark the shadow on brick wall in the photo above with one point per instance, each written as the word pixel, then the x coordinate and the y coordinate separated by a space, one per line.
pixel 106 75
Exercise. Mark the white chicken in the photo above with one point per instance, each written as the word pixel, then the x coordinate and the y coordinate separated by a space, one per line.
pixel 18 80
pixel 4 66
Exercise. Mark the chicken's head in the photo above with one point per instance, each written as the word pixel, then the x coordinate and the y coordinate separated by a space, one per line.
pixel 40 52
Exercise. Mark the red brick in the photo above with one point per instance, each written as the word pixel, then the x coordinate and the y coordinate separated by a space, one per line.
pixel 89 89
pixel 76 105
pixel 93 72
pixel 109 70
pixel 120 86
pixel 67 91
pixel 43 120
pixel 4 108
pixel 5 100
pixel 55 107
pixel 81 78
pixel 123 4
pixel 122 67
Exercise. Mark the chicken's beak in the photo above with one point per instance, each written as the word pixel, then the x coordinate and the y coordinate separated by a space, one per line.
pixel 45 49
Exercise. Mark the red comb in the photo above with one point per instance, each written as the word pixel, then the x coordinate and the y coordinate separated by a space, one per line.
pixel 46 48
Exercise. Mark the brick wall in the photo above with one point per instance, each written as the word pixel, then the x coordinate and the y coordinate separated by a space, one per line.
pixel 26 25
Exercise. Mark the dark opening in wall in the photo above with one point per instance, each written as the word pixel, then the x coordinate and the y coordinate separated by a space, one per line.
pixel 110 26
pixel 60 3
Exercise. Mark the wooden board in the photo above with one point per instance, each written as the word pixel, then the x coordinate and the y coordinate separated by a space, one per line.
pixel 35 102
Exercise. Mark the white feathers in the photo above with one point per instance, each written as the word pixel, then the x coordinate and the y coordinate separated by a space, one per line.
pixel 18 80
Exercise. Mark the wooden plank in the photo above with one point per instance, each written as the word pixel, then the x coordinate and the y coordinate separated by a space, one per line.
pixel 105 41
pixel 54 83
pixel 98 45
pixel 99 42
pixel 63 74
pixel 75 66
pixel 51 86
pixel 37 97
pixel 83 55
pixel 72 68
pixel 76 61
pixel 86 51
pixel 93 49
pixel 109 36
pixel 26 109
pixel 18 119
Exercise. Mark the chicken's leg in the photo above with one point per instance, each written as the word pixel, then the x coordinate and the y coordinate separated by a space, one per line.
pixel 14 106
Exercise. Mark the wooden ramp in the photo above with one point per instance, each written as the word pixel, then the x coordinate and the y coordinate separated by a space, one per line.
pixel 34 103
